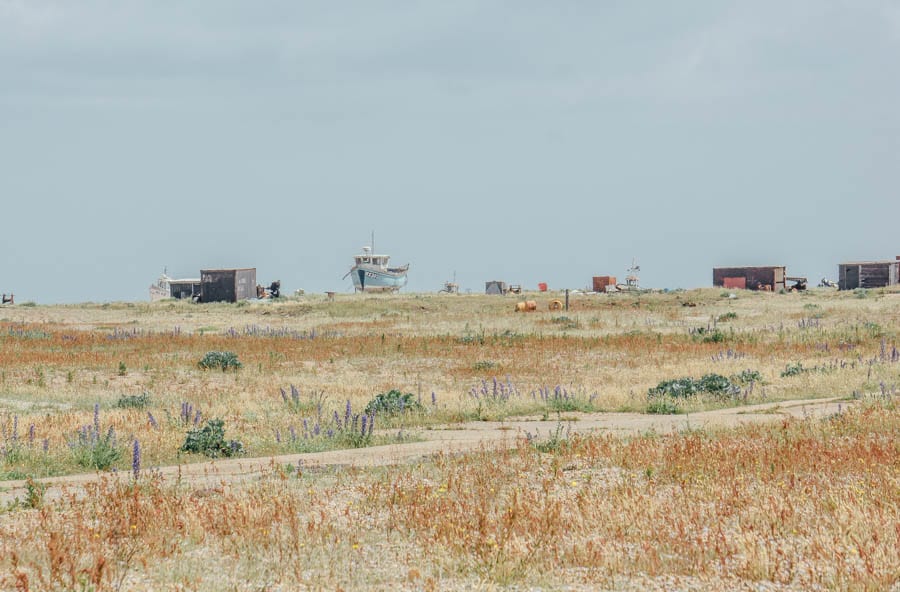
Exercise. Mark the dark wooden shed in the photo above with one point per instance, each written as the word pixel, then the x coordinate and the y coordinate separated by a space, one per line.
pixel 868 274
pixel 227 285
pixel 768 278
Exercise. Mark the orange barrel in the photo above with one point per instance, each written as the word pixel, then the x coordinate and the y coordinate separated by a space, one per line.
pixel 542 286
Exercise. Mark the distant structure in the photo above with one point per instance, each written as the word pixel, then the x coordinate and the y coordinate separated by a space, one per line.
pixel 868 274
pixel 167 287
pixel 769 278
pixel 604 283
pixel 227 285
pixel 495 287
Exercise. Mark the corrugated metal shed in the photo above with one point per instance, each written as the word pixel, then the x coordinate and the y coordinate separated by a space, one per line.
pixel 227 285
pixel 868 274
pixel 769 278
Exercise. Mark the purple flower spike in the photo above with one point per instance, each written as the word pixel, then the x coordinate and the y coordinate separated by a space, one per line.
pixel 136 460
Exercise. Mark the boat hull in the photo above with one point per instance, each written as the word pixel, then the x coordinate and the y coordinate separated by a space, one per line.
pixel 374 279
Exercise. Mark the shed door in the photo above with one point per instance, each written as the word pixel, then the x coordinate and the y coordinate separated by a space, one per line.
pixel 735 283
pixel 852 277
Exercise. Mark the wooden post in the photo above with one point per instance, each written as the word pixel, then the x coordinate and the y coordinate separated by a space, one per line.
pixel 567 299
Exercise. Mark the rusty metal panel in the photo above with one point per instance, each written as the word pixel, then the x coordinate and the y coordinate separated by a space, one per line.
pixel 735 283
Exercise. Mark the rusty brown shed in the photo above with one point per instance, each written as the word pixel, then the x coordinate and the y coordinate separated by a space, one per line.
pixel 769 278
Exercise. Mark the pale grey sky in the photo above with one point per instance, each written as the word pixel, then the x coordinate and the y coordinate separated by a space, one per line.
pixel 517 140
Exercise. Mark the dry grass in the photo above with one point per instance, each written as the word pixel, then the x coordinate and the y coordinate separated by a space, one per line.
pixel 808 504
pixel 56 363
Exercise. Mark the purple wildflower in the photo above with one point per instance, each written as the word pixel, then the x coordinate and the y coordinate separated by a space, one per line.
pixel 347 412
pixel 365 420
pixel 278 436
pixel 293 433
pixel 433 398
pixel 46 445
pixel 31 434
pixel 97 417
pixel 283 395
pixel 152 421
pixel 136 459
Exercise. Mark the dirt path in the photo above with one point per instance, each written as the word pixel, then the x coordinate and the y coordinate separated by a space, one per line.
pixel 450 439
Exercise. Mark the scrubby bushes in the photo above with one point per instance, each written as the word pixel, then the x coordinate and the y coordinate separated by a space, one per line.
pixel 219 359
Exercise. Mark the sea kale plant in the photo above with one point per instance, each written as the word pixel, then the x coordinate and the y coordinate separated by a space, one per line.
pixel 210 440
pixel 393 402
pixel 219 360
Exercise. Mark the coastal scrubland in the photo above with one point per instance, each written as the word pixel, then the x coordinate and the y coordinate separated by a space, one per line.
pixel 122 388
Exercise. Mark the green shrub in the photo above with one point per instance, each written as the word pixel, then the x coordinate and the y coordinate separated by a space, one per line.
pixel 793 370
pixel 484 365
pixel 679 388
pixel 133 401
pixel 393 402
pixel 210 440
pixel 715 384
pixel 747 376
pixel 219 359
pixel 728 316
pixel 708 335
pixel 682 388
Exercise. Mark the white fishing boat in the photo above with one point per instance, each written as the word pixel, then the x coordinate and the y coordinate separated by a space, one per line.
pixel 371 272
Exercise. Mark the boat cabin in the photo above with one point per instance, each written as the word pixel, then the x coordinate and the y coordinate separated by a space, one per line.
pixel 367 259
